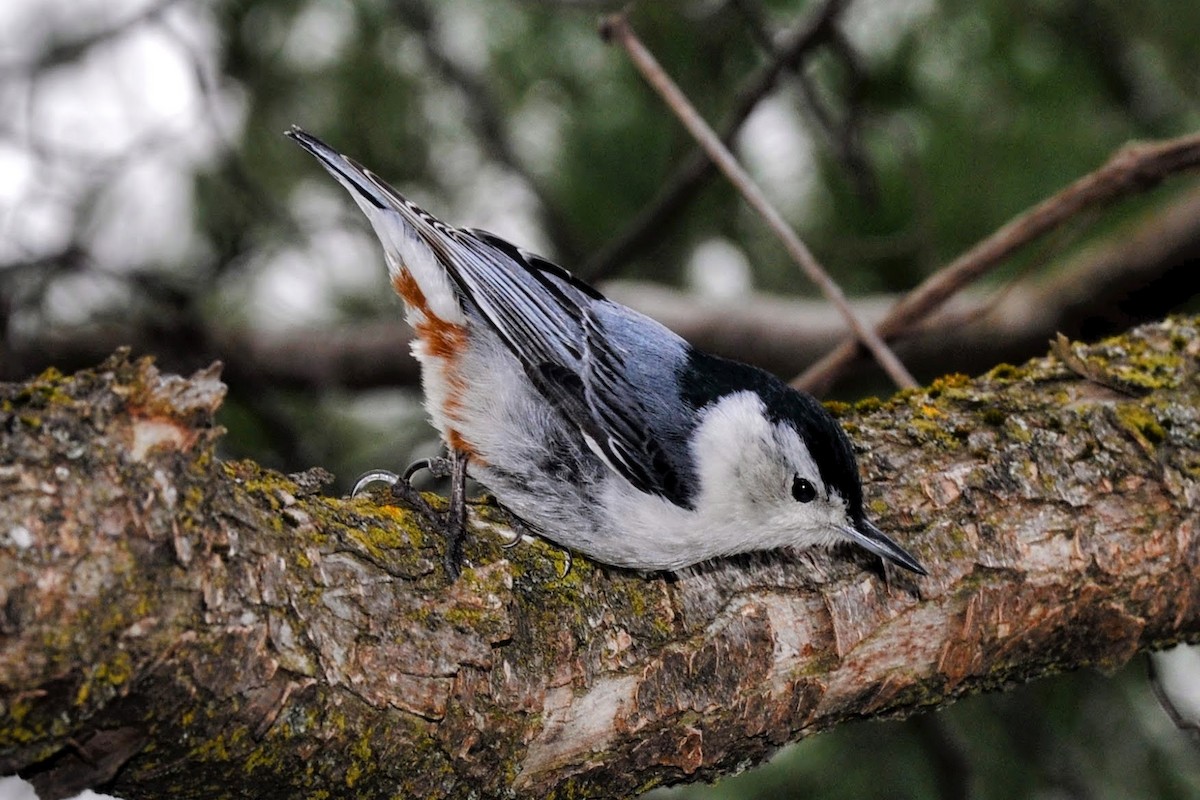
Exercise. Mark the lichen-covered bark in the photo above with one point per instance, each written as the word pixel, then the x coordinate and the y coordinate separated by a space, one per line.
pixel 174 625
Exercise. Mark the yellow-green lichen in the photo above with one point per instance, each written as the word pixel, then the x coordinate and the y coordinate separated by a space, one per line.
pixel 361 760
pixel 1149 370
pixel 221 746
pixel 386 544
pixel 868 405
pixel 837 408
pixel 928 429
pixel 261 757
pixel 952 386
pixel 16 726
pixel 43 391
pixel 1138 420
pixel 1016 429
pixel 1003 373
pixel 637 604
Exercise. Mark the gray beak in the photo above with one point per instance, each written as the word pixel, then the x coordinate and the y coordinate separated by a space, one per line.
pixel 867 536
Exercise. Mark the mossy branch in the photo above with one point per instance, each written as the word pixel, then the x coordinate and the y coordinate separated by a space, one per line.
pixel 175 625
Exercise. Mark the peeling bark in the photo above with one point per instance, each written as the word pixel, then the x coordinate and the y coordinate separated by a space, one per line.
pixel 175 625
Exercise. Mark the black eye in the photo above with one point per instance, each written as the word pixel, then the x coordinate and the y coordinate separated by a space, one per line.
pixel 803 490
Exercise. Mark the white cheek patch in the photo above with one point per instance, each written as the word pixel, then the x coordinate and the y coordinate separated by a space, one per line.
pixel 732 450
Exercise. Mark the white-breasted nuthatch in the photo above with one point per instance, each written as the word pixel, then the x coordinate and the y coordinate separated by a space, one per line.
pixel 607 432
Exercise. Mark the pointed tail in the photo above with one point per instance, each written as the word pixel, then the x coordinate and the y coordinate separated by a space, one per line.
pixel 417 244
pixel 355 177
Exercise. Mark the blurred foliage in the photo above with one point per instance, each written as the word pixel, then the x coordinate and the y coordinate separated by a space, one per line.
pixel 965 113
pixel 927 126
pixel 968 112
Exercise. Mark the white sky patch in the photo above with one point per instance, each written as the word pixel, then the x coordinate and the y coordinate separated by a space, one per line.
pixel 462 33
pixel 119 94
pixel 32 24
pixel 719 269
pixel 319 34
pixel 14 788
pixel 403 51
pixel 293 287
pixel 778 153
pixel 289 291
pixel 503 204
pixel 34 219
pixel 952 69
pixel 1178 671
pixel 144 217
pixel 80 297
pixel 537 127
pixel 876 27
pixel 121 119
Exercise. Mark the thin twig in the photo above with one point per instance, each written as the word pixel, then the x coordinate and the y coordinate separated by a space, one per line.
pixel 1164 699
pixel 680 187
pixel 842 135
pixel 617 27
pixel 1132 169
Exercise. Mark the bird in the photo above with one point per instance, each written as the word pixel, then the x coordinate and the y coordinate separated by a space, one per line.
pixel 594 425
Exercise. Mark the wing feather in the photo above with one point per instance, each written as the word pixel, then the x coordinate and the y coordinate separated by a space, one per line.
pixel 552 323
pixel 547 320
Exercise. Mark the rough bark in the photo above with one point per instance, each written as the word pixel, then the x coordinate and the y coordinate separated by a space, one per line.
pixel 176 625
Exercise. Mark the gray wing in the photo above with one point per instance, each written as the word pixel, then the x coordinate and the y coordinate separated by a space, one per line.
pixel 608 369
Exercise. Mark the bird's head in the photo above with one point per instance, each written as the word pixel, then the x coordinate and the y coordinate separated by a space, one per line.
pixel 774 460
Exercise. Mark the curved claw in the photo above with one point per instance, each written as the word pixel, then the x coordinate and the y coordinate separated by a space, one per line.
pixel 438 468
pixel 415 467
pixel 373 476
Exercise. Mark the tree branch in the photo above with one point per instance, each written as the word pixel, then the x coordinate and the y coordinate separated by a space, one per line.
pixel 188 625
pixel 1132 169
pixel 679 189
pixel 616 27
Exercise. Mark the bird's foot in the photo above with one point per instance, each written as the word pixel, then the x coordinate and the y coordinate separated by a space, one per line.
pixel 401 490
pixel 456 515
pixel 453 523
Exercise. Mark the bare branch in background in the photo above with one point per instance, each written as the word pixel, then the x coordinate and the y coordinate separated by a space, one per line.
pixel 617 26
pixel 1184 720
pixel 842 135
pixel 1139 274
pixel 679 189
pixel 1135 168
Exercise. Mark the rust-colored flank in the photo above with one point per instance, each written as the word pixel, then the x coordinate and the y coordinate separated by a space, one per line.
pixel 446 341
